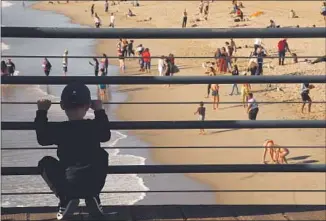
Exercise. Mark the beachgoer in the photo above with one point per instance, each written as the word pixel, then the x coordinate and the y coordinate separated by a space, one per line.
pixel 245 90
pixel 215 94
pixel 239 14
pixel 112 20
pixel 252 109
pixel 217 54
pixel 235 72
pixel 280 154
pixel 269 147
pixel 210 72
pixel 4 69
pixel 102 87
pixel 323 10
pixel 131 50
pixel 222 61
pixel 65 62
pixel 184 19
pixel 293 14
pixel 92 9
pixel 125 47
pixel 106 6
pixel 81 169
pixel 140 50
pixel 106 64
pixel 272 24
pixel 229 52
pixel 95 65
pixel 172 64
pixel 206 10
pixel 260 61
pixel 11 67
pixel 168 68
pixel 282 48
pixel 201 7
pixel 46 67
pixel 121 61
pixel 160 65
pixel 147 60
pixel 257 44
pixel 233 45
pixel 130 13
pixel 97 21
pixel 305 89
pixel 253 64
pixel 201 111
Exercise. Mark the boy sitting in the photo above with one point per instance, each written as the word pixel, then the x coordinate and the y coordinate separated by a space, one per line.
pixel 82 167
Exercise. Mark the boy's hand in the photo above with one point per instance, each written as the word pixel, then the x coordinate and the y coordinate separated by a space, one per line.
pixel 43 104
pixel 96 105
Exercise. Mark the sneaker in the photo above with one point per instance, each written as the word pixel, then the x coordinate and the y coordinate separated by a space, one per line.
pixel 67 208
pixel 94 206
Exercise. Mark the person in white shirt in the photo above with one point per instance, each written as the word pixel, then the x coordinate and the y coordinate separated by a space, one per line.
pixel 97 21
pixel 112 20
pixel 252 109
pixel 160 65
pixel 257 44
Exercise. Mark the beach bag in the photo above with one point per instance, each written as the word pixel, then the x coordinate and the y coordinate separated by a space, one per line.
pixel 175 69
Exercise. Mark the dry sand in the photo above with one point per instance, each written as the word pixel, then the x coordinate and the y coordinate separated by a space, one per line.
pixel 168 15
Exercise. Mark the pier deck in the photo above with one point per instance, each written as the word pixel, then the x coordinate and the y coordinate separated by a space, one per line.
pixel 179 213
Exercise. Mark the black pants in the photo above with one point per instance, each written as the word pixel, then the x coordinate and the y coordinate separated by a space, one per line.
pixel 47 72
pixel 131 52
pixel 106 70
pixel 184 22
pixel 74 182
pixel 253 114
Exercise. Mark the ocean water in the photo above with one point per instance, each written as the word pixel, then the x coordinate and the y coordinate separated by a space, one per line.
pixel 15 14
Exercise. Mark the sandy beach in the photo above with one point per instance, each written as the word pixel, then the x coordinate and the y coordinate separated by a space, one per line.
pixel 169 15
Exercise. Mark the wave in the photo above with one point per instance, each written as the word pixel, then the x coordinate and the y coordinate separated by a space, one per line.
pixel 4 46
pixel 5 4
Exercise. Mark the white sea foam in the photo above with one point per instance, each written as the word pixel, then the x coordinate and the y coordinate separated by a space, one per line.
pixel 5 4
pixel 4 46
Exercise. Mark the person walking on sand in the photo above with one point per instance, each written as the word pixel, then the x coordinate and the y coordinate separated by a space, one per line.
pixel 211 72
pixel 65 62
pixel 92 10
pixel 184 19
pixel 95 65
pixel 215 95
pixel 201 7
pixel 305 89
pixel 121 61
pixel 106 64
pixel 201 111
pixel 222 61
pixel 160 65
pixel 235 72
pixel 112 20
pixel 258 42
pixel 46 67
pixel 106 6
pixel 11 67
pixel 282 46
pixel 97 21
pixel 130 47
pixel 323 10
pixel 252 109
pixel 147 60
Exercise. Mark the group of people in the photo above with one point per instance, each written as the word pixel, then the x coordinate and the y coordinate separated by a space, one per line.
pixel 97 19
pixel 7 68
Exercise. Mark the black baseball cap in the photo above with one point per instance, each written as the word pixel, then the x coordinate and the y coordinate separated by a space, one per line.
pixel 75 94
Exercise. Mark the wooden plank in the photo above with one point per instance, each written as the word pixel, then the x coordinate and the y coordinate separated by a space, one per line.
pixel 207 212
pixel 311 215
pixel 14 217
pixel 147 213
pixel 278 217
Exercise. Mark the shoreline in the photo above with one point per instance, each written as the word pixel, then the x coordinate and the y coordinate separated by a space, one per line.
pixel 224 137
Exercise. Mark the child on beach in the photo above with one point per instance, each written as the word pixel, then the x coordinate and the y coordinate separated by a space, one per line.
pixel 278 154
pixel 201 111
pixel 81 169
pixel 252 109
pixel 305 89
pixel 215 95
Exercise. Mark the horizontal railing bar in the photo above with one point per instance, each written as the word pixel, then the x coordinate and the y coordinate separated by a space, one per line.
pixel 138 80
pixel 169 125
pixel 136 57
pixel 166 102
pixel 168 147
pixel 160 33
pixel 204 168
pixel 166 0
pixel 175 191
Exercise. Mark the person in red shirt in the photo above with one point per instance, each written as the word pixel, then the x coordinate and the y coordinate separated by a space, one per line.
pixel 282 48
pixel 146 55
